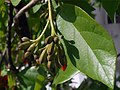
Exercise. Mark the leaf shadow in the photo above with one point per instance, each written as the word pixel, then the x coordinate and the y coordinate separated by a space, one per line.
pixel 65 11
pixel 72 51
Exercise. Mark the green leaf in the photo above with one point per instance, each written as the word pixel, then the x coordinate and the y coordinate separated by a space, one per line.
pixel 63 76
pixel 29 76
pixel 110 6
pixel 15 2
pixel 39 82
pixel 88 45
pixel 32 78
pixel 36 8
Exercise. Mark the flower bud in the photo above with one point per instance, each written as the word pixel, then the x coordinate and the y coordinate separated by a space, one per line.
pixel 43 56
pixel 48 40
pixel 24 45
pixel 24 39
pixel 31 48
pixel 50 48
pixel 56 39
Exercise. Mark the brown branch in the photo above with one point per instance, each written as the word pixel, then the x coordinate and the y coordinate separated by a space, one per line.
pixel 23 10
pixel 10 20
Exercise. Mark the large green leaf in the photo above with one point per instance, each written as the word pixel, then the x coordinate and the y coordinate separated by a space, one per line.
pixel 110 6
pixel 15 2
pixel 88 45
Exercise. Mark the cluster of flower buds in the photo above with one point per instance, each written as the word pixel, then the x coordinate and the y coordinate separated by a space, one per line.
pixel 51 54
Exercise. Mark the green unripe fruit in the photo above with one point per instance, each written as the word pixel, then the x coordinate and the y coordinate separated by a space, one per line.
pixel 48 40
pixel 24 39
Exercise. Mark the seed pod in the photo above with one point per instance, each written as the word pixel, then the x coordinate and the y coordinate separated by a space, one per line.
pixel 27 54
pixel 43 56
pixel 24 45
pixel 49 57
pixel 31 48
pixel 56 39
pixel 49 64
pixel 50 48
pixel 24 39
pixel 48 40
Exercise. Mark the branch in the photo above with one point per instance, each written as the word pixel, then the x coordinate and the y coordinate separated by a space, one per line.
pixel 10 20
pixel 23 10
